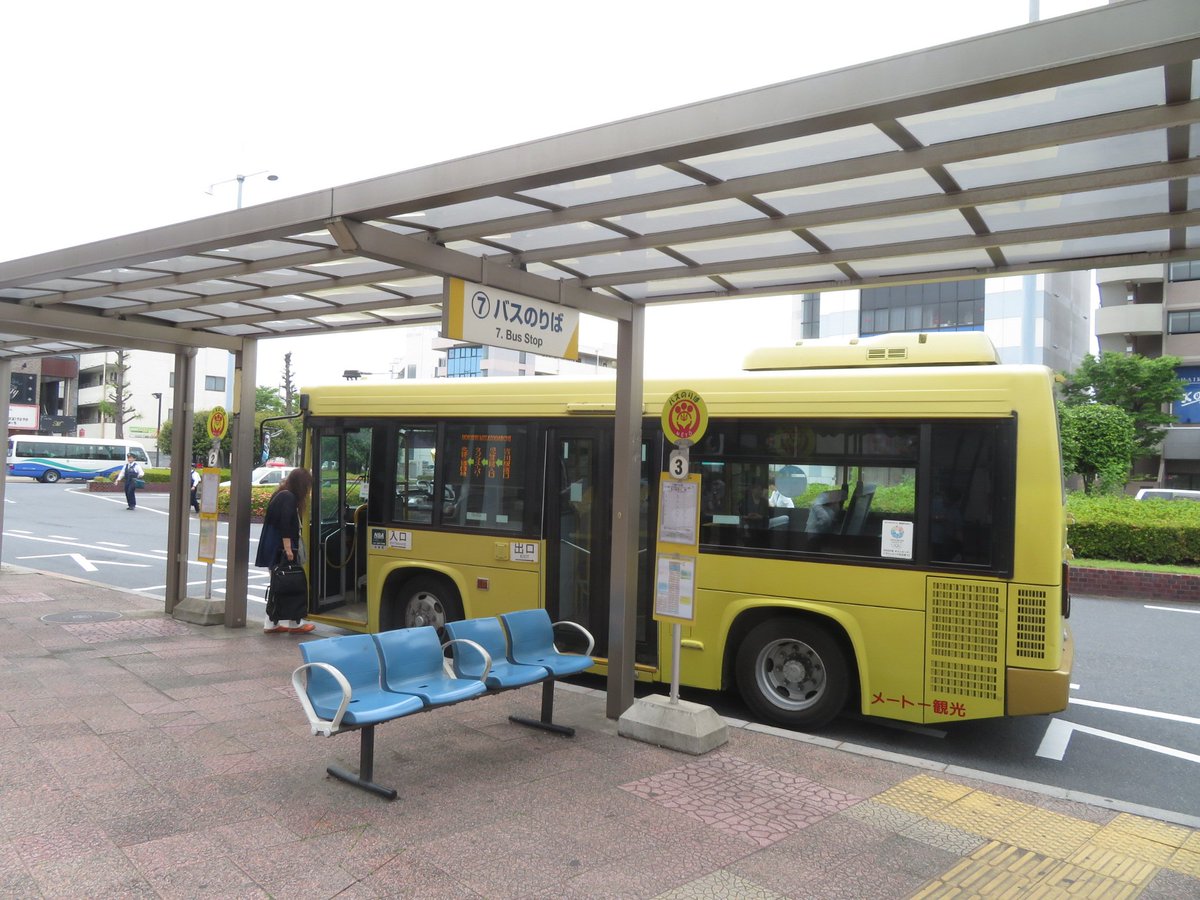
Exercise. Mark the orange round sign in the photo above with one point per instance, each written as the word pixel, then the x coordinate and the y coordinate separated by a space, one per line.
pixel 218 423
pixel 684 417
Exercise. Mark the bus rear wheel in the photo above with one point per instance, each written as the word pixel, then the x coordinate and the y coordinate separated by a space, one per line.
pixel 50 476
pixel 793 672
pixel 429 600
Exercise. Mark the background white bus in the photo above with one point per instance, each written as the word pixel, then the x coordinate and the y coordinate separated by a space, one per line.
pixel 50 458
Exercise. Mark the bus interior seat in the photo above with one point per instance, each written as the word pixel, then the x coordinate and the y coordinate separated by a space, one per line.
pixel 860 505
pixel 825 514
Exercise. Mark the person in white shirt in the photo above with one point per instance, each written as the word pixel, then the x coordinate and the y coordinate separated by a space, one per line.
pixel 195 496
pixel 130 474
pixel 778 500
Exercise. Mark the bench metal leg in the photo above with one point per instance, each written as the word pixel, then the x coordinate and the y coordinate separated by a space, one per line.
pixel 366 767
pixel 546 723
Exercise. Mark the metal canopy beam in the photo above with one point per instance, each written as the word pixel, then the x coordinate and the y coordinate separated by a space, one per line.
pixel 64 325
pixel 387 246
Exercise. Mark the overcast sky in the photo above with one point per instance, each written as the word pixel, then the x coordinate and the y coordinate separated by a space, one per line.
pixel 121 116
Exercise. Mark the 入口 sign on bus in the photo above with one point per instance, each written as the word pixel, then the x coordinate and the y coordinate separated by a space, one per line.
pixel 481 314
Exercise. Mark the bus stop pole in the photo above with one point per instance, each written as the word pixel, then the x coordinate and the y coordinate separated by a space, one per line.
pixel 627 474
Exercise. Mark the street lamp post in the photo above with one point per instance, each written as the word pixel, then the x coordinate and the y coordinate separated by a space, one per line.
pixel 157 395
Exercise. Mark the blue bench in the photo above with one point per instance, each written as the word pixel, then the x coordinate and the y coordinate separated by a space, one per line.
pixel 357 681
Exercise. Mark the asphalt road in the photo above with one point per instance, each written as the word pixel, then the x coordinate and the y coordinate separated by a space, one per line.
pixel 1131 733
pixel 66 529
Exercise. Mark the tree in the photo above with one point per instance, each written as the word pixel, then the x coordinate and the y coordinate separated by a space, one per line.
pixel 1134 383
pixel 289 386
pixel 116 404
pixel 1098 444
pixel 266 399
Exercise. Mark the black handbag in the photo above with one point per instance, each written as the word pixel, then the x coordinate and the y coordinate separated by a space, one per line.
pixel 287 594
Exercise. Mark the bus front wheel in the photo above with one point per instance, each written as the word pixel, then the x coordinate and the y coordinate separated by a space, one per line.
pixel 429 600
pixel 50 476
pixel 793 672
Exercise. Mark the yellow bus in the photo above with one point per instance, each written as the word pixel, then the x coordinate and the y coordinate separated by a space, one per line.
pixel 882 522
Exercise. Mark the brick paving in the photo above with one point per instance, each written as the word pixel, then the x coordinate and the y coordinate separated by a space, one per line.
pixel 145 757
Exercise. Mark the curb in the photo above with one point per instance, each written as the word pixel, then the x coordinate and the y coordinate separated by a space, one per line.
pixel 1130 584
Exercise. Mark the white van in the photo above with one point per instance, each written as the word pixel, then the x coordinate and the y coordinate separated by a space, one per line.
pixel 1166 494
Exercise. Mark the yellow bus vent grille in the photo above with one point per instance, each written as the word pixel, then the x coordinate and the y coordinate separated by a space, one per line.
pixel 965 638
pixel 878 353
pixel 1031 623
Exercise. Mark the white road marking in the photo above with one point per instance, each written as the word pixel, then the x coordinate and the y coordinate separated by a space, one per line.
pixel 1194 612
pixel 82 561
pixel 107 543
pixel 1058 736
pixel 1137 711
pixel 64 537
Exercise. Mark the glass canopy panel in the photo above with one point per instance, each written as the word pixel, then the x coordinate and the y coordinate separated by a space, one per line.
pixel 416 287
pixel 627 261
pixel 259 251
pixel 291 303
pixel 924 262
pixel 795 153
pixel 835 194
pixel 233 310
pixel 671 287
pixel 1133 200
pixel 555 236
pixel 923 227
pixel 275 278
pixel 1064 159
pixel 695 215
pixel 398 227
pixel 780 243
pixel 547 271
pixel 632 183
pixel 156 295
pixel 183 265
pixel 475 249
pixel 1129 90
pixel 351 295
pixel 66 285
pixel 180 316
pixel 473 211
pixel 1084 248
pixel 797 278
pixel 104 303
pixel 123 276
pixel 211 288
pixel 403 313
pixel 350 267
pixel 345 318
pixel 20 293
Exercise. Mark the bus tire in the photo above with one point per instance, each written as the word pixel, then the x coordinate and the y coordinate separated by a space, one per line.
pixel 50 476
pixel 429 600
pixel 793 672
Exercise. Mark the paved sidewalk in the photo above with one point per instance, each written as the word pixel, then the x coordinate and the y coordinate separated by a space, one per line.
pixel 144 757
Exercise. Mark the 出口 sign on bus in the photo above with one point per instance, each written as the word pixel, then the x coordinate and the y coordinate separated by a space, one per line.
pixel 481 314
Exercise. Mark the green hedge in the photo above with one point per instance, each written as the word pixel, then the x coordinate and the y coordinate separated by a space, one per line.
pixel 1164 532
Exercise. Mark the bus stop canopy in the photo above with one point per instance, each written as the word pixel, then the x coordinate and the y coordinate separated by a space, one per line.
pixel 1062 145
pixel 1057 146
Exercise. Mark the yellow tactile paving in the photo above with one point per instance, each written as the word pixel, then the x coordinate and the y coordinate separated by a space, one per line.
pixel 1151 830
pixel 983 813
pixel 1072 881
pixel 1131 845
pixel 922 794
pixel 1113 864
pixel 1193 842
pixel 994 870
pixel 1185 861
pixel 1049 833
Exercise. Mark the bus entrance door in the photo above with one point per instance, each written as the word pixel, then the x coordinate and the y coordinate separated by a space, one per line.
pixel 339 560
pixel 578 538
pixel 577 504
